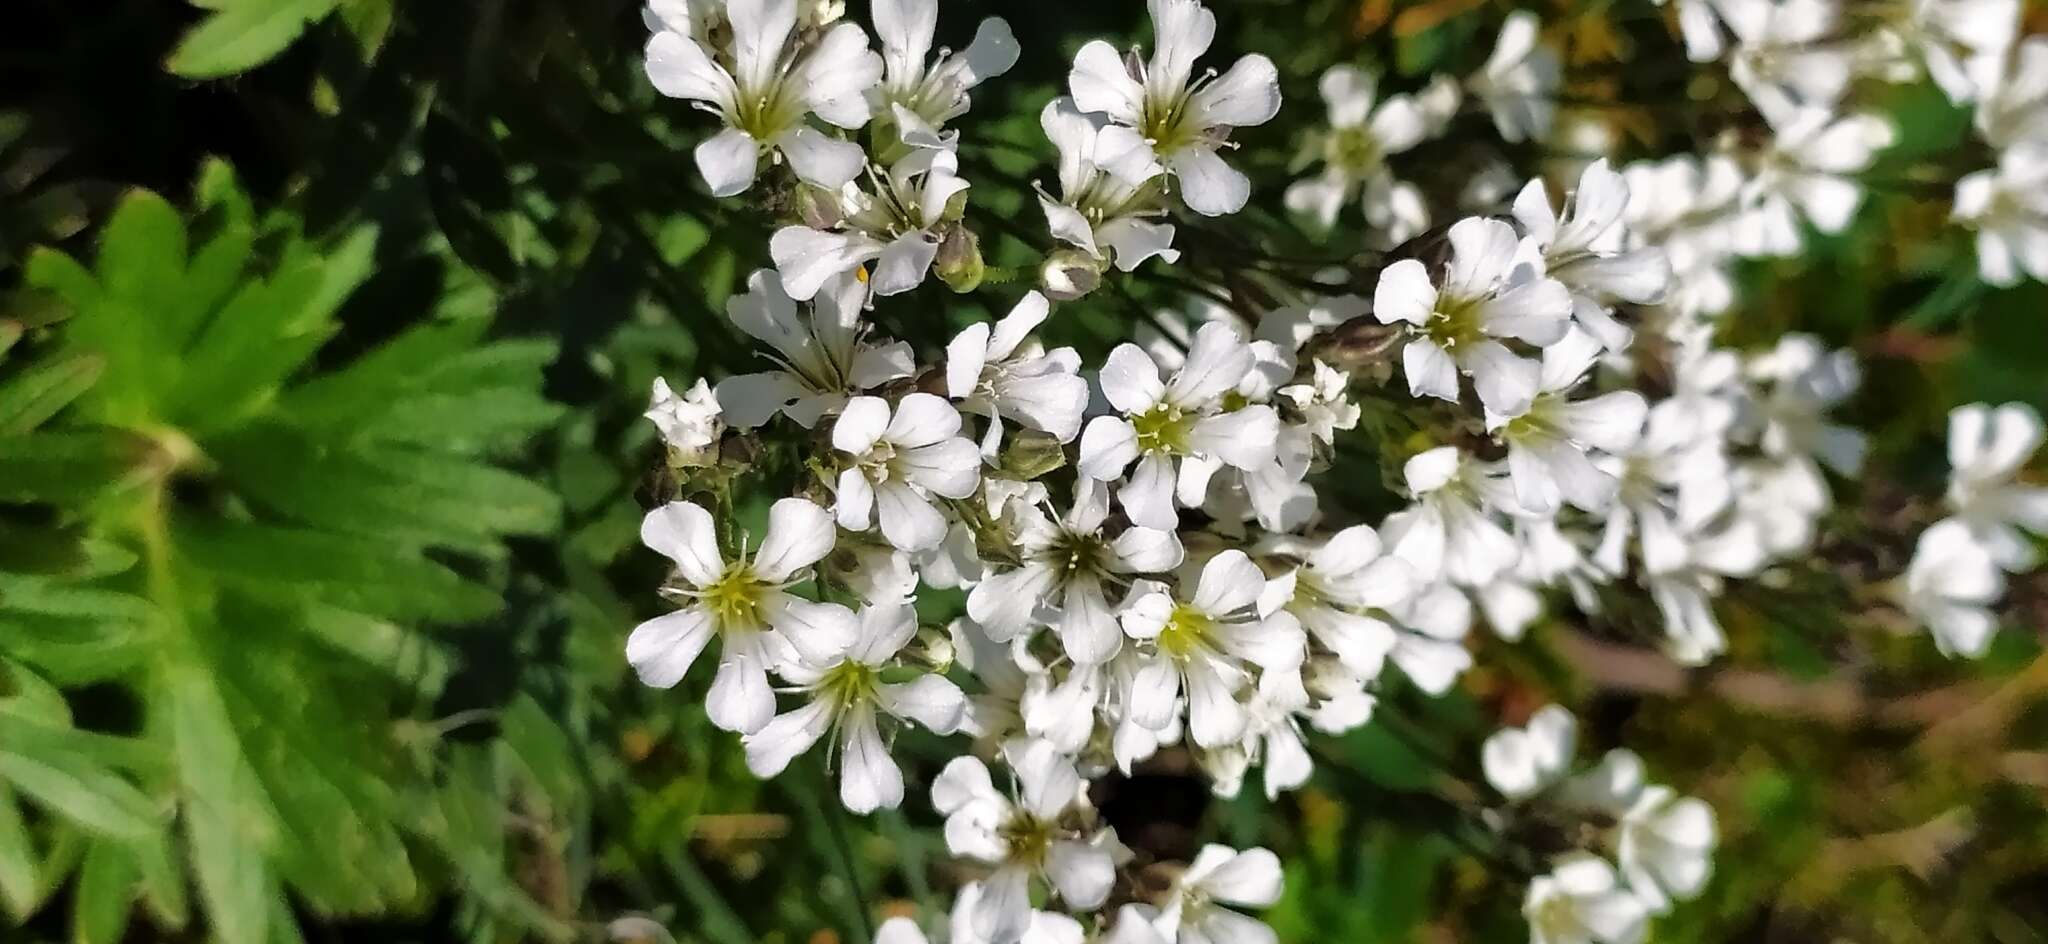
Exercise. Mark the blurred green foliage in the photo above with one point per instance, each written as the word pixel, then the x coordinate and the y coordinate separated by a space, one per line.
pixel 320 480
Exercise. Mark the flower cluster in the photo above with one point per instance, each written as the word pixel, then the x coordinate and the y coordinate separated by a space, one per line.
pixel 1142 548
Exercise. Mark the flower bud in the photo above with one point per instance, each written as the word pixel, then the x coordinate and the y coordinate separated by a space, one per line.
pixel 1069 274
pixel 959 262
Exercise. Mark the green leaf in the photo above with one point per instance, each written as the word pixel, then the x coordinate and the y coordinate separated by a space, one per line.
pixel 243 34
pixel 369 21
pixel 19 888
pixel 86 794
pixel 71 468
pixel 229 827
pixel 30 399
pixel 142 249
pixel 104 895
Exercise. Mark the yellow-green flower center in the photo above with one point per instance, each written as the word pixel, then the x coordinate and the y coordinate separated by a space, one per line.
pixel 735 598
pixel 1353 150
pixel 1455 322
pixel 849 683
pixel 1028 837
pixel 1186 632
pixel 1163 428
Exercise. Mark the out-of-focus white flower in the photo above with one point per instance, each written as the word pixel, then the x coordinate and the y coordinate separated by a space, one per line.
pixel 1459 326
pixel 1684 573
pixel 897 462
pixel 1450 532
pixel 1354 151
pixel 1324 402
pixel 1962 43
pixel 1030 837
pixel 997 371
pixel 1949 587
pixel 823 358
pixel 1666 846
pixel 2014 110
pixel 1699 23
pixel 1203 646
pixel 1043 927
pixel 1183 123
pixel 763 86
pixel 1807 173
pixel 1219 876
pixel 1784 56
pixel 1519 81
pixel 1987 448
pixel 1806 380
pixel 1548 443
pixel 1581 901
pixel 689 424
pixel 1178 431
pixel 1522 762
pixel 1329 593
pixel 921 97
pixel 896 227
pixel 742 602
pixel 2008 207
pixel 1060 582
pixel 846 693
pixel 1110 191
pixel 1583 248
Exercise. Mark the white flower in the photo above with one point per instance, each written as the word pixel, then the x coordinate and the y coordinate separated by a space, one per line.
pixel 1324 401
pixel 1110 190
pixel 1458 326
pixel 899 462
pixel 1519 81
pixel 763 87
pixel 1043 927
pixel 1548 443
pixel 1329 593
pixel 1666 846
pixel 1059 581
pixel 1684 574
pixel 1153 104
pixel 1582 902
pixel 1949 586
pixel 1806 172
pixel 2008 207
pixel 2014 110
pixel 1962 42
pixel 897 227
pixel 995 371
pixel 1430 646
pixel 1805 381
pixel 1178 430
pixel 1205 647
pixel 1784 58
pixel 1450 531
pixel 1522 762
pixel 1699 23
pixel 1220 875
pixel 1987 448
pixel 1355 149
pixel 743 603
pixel 823 358
pixel 1584 250
pixel 689 424
pixel 921 97
pixel 1041 834
pixel 846 693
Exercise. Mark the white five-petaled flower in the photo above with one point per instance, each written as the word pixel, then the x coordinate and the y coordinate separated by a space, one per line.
pixel 763 86
pixel 1666 846
pixel 995 370
pixel 2014 110
pixel 846 695
pixel 1354 153
pixel 1205 647
pixel 898 462
pixel 1950 586
pixel 1519 81
pixel 1522 762
pixel 823 358
pixel 1178 431
pixel 896 226
pixel 1329 595
pixel 1450 532
pixel 2008 207
pixel 921 97
pixel 1583 248
pixel 1548 443
pixel 1582 901
pixel 1806 172
pixel 1064 565
pixel 1155 105
pixel 1987 448
pixel 1460 325
pixel 689 424
pixel 1194 912
pixel 1044 831
pixel 743 602
pixel 1110 190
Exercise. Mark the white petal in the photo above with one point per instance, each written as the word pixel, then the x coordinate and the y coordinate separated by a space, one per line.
pixel 683 532
pixel 861 424
pixel 819 159
pixel 908 519
pixel 788 735
pixel 1100 83
pixel 930 700
pixel 1430 371
pixel 1404 293
pixel 740 699
pixel 1247 95
pixel 727 160
pixel 799 534
pixel 869 779
pixel 807 258
pixel 1130 380
pixel 1208 185
pixel 662 649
